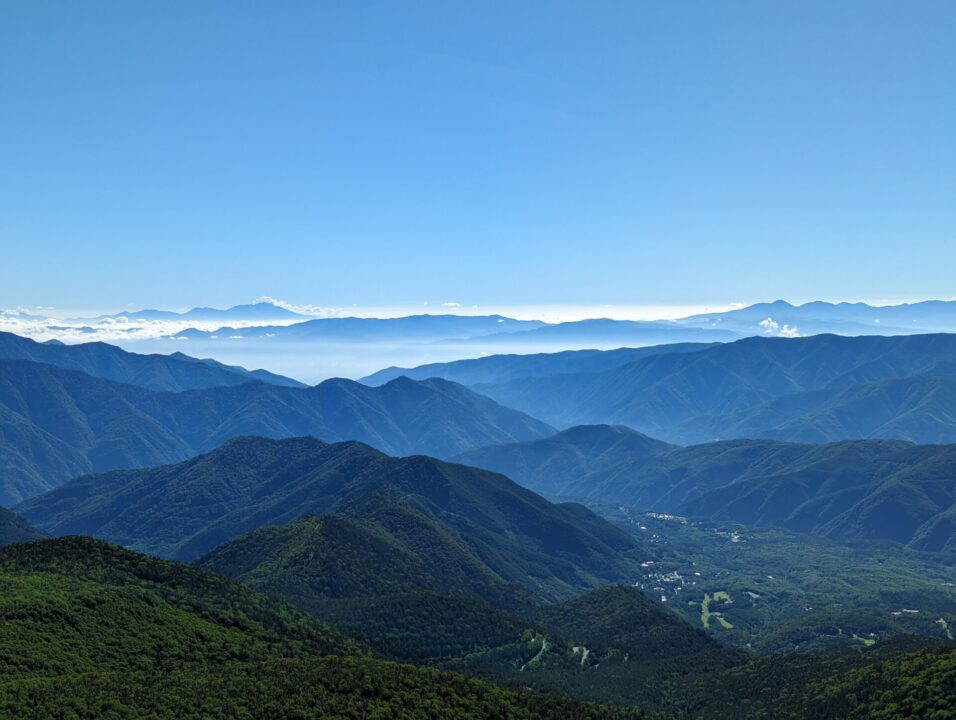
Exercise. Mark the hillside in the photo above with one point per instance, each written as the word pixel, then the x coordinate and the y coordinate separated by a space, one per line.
pixel 405 586
pixel 551 466
pixel 56 424
pixel 818 388
pixel 14 529
pixel 173 373
pixel 613 643
pixel 501 368
pixel 91 630
pixel 618 647
pixel 866 489
pixel 185 510
pixel 385 573
pixel 907 678
pixel 918 408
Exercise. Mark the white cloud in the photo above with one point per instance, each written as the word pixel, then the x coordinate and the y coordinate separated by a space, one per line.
pixel 314 310
pixel 772 327
pixel 451 304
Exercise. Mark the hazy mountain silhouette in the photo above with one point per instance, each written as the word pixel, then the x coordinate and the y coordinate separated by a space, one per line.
pixel 56 424
pixel 173 372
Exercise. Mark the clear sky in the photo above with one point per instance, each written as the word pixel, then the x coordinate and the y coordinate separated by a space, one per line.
pixel 493 153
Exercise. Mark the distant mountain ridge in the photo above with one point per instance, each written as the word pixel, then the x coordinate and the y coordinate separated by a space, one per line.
pixel 56 424
pixel 261 311
pixel 818 317
pixel 175 372
pixel 501 368
pixel 817 389
pixel 417 328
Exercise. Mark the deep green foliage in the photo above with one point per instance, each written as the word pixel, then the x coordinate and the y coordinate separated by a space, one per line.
pixel 902 680
pixel 380 547
pixel 613 644
pixel 89 631
pixel 420 626
pixel 625 619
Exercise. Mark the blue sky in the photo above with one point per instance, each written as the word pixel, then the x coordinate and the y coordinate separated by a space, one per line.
pixel 531 153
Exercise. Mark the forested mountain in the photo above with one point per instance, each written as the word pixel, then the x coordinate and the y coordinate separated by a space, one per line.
pixel 56 424
pixel 376 546
pixel 906 678
pixel 617 646
pixel 867 489
pixel 183 511
pixel 816 389
pixel 501 368
pixel 173 372
pixel 918 408
pixel 14 529
pixel 567 459
pixel 386 573
pixel 93 631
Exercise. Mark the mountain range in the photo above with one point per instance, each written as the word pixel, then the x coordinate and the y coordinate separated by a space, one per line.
pixel 817 389
pixel 875 490
pixel 184 510
pixel 769 318
pixel 174 372
pixel 259 311
pixel 502 368
pixel 411 328
pixel 813 318
pixel 56 424
pixel 311 348
pixel 454 566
